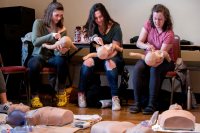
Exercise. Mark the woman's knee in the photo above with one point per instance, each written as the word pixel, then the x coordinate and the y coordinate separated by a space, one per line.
pixel 139 66
pixel 34 63
pixel 89 62
pixel 60 61
pixel 155 71
pixel 110 64
pixel 136 69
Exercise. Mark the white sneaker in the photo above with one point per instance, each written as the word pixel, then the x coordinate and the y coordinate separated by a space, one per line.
pixel 81 100
pixel 106 103
pixel 5 107
pixel 115 103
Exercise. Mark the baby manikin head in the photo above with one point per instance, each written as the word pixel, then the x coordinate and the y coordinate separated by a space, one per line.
pixel 102 52
pixel 154 58
pixel 67 42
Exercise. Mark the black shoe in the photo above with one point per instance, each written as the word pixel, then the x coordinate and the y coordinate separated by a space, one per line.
pixel 135 109
pixel 149 110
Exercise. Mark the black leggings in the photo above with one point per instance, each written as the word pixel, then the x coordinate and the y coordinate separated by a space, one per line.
pixel 154 77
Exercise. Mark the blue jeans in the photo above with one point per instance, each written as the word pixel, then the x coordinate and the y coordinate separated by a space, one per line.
pixel 35 65
pixel 87 73
pixel 145 77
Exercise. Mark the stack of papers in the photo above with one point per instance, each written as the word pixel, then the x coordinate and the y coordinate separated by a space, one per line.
pixel 85 121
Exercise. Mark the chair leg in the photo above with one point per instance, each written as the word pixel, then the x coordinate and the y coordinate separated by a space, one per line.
pixel 25 85
pixel 69 78
pixel 28 89
pixel 24 82
pixel 7 77
pixel 172 90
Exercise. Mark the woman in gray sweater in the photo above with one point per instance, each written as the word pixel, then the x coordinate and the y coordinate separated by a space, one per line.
pixel 48 30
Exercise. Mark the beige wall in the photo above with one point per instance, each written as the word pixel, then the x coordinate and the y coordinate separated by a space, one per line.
pixel 131 14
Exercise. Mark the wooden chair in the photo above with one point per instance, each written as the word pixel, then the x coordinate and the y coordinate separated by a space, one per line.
pixel 11 70
pixel 172 75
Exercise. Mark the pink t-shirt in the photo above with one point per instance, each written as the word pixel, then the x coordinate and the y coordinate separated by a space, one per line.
pixel 157 39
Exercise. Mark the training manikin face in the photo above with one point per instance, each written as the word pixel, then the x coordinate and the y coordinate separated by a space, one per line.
pixel 154 58
pixel 103 51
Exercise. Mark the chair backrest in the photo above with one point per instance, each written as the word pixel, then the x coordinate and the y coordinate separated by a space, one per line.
pixel 176 47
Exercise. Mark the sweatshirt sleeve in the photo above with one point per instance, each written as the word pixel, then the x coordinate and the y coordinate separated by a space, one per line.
pixel 38 34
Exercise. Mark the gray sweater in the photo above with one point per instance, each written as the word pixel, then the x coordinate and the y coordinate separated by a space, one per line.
pixel 40 35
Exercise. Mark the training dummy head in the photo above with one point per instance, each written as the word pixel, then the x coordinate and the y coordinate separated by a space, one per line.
pixel 66 42
pixel 102 52
pixel 177 119
pixel 153 58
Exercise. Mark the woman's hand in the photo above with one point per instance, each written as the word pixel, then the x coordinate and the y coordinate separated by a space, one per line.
pixel 44 45
pixel 62 50
pixel 150 47
pixel 57 36
pixel 98 40
pixel 85 57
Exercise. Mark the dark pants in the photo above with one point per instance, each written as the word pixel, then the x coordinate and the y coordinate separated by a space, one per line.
pixel 149 79
pixel 87 74
pixel 36 64
pixel 2 83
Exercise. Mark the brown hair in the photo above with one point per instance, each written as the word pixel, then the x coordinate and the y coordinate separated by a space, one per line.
pixel 91 24
pixel 161 8
pixel 49 12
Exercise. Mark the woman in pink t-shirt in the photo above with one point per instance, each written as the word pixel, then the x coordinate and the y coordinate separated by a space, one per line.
pixel 156 34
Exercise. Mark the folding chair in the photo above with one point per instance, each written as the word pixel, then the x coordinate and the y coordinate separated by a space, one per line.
pixel 11 70
pixel 172 75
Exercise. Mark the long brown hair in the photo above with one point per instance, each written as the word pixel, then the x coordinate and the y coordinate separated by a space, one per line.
pixel 161 8
pixel 91 24
pixel 49 12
